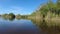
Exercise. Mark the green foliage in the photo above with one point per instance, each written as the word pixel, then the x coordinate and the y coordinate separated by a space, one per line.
pixel 33 14
pixel 44 10
pixel 24 16
pixel 11 15
pixel 4 15
pixel 54 8
pixel 58 4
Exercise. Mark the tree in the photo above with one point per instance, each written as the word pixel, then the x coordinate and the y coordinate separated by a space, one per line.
pixel 11 15
pixel 58 7
pixel 58 4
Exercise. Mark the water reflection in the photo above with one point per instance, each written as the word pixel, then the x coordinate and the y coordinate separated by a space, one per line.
pixel 47 27
pixel 22 26
pixel 31 26
pixel 10 19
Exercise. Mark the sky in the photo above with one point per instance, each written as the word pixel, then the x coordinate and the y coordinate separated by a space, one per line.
pixel 22 7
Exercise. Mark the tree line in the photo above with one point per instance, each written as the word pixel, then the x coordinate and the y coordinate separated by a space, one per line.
pixel 50 6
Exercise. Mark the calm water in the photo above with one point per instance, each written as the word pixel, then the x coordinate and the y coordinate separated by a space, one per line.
pixel 22 26
pixel 25 26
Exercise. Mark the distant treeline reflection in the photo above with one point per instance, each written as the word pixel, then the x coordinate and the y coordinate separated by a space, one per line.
pixel 12 16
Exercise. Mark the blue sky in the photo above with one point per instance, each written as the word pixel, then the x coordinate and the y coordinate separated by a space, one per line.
pixel 22 7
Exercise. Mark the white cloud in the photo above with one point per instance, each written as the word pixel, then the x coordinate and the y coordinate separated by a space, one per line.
pixel 12 9
pixel 15 10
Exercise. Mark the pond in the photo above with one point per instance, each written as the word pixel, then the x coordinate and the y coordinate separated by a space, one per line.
pixel 22 26
pixel 28 26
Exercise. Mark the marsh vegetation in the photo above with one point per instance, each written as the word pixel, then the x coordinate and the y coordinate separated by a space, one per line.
pixel 47 17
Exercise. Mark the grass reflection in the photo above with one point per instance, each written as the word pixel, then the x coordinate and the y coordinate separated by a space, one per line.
pixel 48 27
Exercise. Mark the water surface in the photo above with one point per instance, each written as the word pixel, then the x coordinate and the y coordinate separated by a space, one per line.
pixel 22 26
pixel 26 26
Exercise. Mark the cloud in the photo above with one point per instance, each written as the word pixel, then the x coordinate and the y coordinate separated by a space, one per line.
pixel 19 10
pixel 15 10
pixel 12 9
